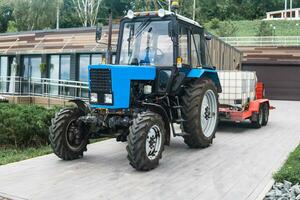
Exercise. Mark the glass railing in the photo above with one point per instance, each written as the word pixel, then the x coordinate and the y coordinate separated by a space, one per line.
pixel 44 87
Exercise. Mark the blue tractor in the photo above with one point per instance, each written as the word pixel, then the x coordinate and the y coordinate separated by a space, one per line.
pixel 161 80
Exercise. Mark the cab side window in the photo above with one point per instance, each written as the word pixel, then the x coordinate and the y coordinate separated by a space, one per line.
pixel 195 49
pixel 183 45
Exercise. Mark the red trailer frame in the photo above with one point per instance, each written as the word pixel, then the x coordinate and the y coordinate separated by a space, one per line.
pixel 251 111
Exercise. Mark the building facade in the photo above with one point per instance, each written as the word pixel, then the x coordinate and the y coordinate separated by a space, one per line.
pixel 290 14
pixel 41 62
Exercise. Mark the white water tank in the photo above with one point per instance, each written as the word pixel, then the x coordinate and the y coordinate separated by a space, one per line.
pixel 238 87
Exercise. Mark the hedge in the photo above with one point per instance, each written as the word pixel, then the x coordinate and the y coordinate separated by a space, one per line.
pixel 24 125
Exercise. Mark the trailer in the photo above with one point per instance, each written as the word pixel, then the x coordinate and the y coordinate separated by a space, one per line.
pixel 243 98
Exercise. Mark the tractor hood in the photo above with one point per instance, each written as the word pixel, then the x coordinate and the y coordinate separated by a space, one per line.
pixel 113 81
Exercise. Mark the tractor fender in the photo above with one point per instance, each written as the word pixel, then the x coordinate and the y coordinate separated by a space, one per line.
pixel 201 73
pixel 254 105
pixel 81 105
pixel 160 110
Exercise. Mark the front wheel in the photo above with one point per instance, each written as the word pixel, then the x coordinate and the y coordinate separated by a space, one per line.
pixel 200 110
pixel 146 141
pixel 68 140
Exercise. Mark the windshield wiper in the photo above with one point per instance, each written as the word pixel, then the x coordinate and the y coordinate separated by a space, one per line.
pixel 139 31
pixel 142 27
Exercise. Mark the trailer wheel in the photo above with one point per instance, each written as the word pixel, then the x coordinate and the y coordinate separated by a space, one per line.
pixel 146 141
pixel 257 118
pixel 200 110
pixel 265 114
pixel 67 140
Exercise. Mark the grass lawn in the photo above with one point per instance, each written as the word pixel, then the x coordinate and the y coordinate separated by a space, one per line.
pixel 291 169
pixel 250 28
pixel 10 155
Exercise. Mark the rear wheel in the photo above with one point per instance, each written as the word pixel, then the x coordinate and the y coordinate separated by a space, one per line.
pixel 146 141
pixel 265 114
pixel 67 139
pixel 200 109
pixel 257 119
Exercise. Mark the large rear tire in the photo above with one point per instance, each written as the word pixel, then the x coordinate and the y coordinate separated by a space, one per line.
pixel 266 112
pixel 257 119
pixel 146 141
pixel 200 110
pixel 67 139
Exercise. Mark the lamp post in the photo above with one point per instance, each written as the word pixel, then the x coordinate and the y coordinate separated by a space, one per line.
pixel 274 34
pixel 297 27
pixel 194 10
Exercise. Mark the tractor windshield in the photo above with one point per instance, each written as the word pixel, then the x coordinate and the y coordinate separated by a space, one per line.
pixel 146 43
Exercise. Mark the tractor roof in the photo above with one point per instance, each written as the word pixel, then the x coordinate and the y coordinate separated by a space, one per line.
pixel 161 13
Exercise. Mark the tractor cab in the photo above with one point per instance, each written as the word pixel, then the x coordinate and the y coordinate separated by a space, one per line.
pixel 161 78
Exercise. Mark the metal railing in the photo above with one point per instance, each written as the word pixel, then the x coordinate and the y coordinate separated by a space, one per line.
pixel 263 41
pixel 43 87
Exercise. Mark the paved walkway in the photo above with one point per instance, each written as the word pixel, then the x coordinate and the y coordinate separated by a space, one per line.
pixel 238 166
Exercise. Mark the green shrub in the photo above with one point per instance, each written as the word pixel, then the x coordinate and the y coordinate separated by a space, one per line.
pixel 264 29
pixel 24 125
pixel 214 24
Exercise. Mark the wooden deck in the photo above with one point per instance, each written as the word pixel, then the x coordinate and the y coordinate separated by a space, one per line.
pixel 271 55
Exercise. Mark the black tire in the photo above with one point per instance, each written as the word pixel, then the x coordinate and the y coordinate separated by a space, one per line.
pixel 265 114
pixel 192 103
pixel 137 139
pixel 257 121
pixel 64 133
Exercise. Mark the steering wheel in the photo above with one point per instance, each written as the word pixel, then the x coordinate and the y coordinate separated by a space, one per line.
pixel 159 54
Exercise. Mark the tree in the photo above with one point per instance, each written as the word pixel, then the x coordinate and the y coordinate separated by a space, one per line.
pixel 68 15
pixel 5 15
pixel 34 14
pixel 87 11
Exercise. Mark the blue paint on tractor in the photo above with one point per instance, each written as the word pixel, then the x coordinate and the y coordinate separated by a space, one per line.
pixel 204 73
pixel 121 76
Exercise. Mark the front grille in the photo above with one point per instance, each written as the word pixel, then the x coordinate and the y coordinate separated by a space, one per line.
pixel 100 80
pixel 100 83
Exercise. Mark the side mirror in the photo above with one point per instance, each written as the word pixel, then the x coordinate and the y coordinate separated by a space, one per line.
pixel 208 37
pixel 173 28
pixel 98 33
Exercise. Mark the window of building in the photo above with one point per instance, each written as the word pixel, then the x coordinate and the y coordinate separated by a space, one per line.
pixel 84 61
pixel 59 70
pixel 96 59
pixel 3 73
pixel 65 67
pixel 60 67
pixel 54 67
pixel 3 66
pixel 32 67
pixel 32 74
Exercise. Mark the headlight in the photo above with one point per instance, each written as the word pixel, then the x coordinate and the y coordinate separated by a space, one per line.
pixel 108 98
pixel 94 97
pixel 130 14
pixel 147 89
pixel 161 12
